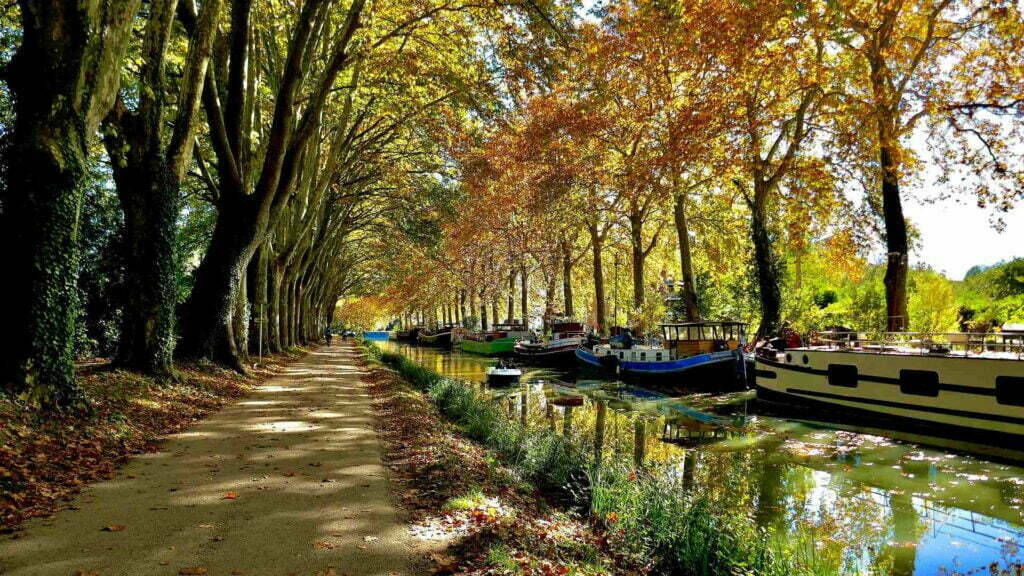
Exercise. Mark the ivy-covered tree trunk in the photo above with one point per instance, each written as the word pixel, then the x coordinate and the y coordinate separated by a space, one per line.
pixel 45 171
pixel 63 80
pixel 149 196
pixel 148 176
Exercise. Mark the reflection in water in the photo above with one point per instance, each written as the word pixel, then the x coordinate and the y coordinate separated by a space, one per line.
pixel 854 502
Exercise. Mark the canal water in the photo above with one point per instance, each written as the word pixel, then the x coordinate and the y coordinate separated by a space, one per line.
pixel 861 504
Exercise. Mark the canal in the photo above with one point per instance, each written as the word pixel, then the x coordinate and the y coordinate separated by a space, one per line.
pixel 859 503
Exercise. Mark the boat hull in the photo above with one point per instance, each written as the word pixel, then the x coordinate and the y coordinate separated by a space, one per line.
pixel 976 400
pixel 502 380
pixel 497 347
pixel 441 339
pixel 716 370
pixel 561 354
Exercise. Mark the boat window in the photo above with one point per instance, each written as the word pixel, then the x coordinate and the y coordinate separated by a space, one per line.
pixel 620 354
pixel 643 355
pixel 657 356
pixel 844 375
pixel 919 382
pixel 1010 390
pixel 806 359
pixel 789 357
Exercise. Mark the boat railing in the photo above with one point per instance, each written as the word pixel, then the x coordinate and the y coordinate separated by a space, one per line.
pixel 996 344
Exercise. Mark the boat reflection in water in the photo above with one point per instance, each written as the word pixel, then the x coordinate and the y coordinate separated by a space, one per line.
pixel 859 503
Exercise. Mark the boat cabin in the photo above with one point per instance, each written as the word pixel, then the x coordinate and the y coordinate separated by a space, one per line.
pixel 566 329
pixel 693 338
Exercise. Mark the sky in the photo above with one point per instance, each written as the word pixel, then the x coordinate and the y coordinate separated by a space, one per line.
pixel 958 235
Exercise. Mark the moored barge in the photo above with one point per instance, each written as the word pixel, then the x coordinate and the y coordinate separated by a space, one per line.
pixel 965 387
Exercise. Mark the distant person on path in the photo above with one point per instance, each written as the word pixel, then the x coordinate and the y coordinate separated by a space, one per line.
pixel 327 335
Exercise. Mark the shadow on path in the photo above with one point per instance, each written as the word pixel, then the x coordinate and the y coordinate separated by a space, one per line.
pixel 288 480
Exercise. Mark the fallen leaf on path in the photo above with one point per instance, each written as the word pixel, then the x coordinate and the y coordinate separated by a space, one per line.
pixel 193 571
pixel 86 573
pixel 289 473
pixel 370 538
pixel 230 496
pixel 323 545
pixel 114 528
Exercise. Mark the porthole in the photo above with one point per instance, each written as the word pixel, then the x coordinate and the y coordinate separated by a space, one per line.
pixel 807 360
pixel 789 357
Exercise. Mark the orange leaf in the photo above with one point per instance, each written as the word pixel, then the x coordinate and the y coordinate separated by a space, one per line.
pixel 114 528
pixel 230 496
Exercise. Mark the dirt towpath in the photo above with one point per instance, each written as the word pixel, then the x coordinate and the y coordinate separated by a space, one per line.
pixel 287 481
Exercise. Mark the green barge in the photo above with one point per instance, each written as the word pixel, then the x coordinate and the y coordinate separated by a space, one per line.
pixel 498 342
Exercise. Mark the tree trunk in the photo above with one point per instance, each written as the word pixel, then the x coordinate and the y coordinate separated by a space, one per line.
pixel 689 289
pixel 549 298
pixel 636 236
pixel 462 307
pixel 240 318
pixel 63 80
pixel 206 325
pixel 596 243
pixel 472 307
pixel 570 310
pixel 896 245
pixel 149 197
pixel 524 294
pixel 148 175
pixel 274 304
pixel 483 312
pixel 511 295
pixel 767 264
pixel 258 283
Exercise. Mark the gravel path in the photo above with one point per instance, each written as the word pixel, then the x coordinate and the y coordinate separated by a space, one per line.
pixel 287 481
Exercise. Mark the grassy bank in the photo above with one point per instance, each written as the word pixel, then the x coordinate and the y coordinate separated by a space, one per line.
pixel 46 458
pixel 649 519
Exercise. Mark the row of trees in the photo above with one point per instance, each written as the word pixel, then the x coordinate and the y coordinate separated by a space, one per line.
pixel 704 132
pixel 291 135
